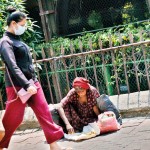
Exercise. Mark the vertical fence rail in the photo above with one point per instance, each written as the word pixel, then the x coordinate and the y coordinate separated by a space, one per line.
pixel 134 63
pixel 44 20
pixel 94 65
pixel 135 67
pixel 83 59
pixel 116 76
pixel 47 77
pixel 74 63
pixel 114 66
pixel 115 70
pixel 34 56
pixel 51 64
pixel 104 73
pixel 147 74
pixel 146 67
pixel 57 80
pixel 65 67
pixel 125 69
pixel 146 64
pixel 104 66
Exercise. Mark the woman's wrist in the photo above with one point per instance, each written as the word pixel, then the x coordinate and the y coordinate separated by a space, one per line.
pixel 67 123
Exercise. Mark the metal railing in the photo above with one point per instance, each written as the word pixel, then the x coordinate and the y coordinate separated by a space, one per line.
pixel 116 70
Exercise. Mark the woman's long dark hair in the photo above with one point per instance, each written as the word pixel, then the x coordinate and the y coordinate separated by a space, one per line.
pixel 14 15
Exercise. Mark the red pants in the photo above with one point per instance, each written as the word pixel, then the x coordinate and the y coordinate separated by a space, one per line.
pixel 15 111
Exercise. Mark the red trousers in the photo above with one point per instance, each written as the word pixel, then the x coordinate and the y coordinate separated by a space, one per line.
pixel 15 111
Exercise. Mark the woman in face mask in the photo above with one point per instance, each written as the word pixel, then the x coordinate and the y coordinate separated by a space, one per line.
pixel 18 60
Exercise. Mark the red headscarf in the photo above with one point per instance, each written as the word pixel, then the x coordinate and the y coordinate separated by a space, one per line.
pixel 81 82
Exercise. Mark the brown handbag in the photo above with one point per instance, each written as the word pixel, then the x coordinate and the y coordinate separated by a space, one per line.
pixel 22 93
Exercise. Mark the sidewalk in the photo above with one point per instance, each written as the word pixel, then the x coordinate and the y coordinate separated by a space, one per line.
pixel 134 135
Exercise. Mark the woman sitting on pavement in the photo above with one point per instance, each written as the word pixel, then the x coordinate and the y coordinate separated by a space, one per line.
pixel 80 107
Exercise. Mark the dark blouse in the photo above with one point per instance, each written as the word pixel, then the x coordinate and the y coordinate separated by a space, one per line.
pixel 16 56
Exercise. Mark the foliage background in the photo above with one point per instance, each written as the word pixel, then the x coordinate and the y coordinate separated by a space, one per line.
pixel 57 42
pixel 31 37
pixel 90 41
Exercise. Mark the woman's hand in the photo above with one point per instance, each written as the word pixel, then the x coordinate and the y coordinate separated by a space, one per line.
pixel 32 90
pixel 64 118
pixel 69 128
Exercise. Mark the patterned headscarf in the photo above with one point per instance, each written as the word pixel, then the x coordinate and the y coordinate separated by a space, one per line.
pixel 81 82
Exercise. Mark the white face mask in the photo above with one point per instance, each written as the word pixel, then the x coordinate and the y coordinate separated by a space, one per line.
pixel 20 30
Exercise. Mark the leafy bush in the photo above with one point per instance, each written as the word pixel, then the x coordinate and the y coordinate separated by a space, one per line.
pixel 124 31
pixel 93 38
pixel 31 36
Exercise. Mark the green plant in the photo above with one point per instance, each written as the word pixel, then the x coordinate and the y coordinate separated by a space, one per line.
pixel 124 31
pixel 90 41
pixel 31 37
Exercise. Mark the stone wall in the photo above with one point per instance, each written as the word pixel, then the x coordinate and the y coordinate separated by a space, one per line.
pixel 130 105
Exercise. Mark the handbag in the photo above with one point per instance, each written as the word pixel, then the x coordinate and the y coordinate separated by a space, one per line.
pixel 22 93
pixel 107 122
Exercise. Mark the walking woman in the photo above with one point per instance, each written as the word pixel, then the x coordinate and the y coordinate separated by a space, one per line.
pixel 17 59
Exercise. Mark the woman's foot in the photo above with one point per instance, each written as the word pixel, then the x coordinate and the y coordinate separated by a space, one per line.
pixel 55 146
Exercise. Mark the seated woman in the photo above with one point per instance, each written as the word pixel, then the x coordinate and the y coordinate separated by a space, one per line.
pixel 79 107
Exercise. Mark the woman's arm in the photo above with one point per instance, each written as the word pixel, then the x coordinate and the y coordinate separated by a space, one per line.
pixel 96 110
pixel 64 118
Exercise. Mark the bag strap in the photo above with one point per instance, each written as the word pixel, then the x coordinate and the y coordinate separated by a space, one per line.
pixel 13 87
pixel 11 80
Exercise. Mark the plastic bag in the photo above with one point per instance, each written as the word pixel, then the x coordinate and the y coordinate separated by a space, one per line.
pixel 107 122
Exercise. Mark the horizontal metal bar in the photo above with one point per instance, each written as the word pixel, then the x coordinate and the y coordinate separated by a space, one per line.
pixel 93 52
pixel 89 52
pixel 47 12
pixel 91 67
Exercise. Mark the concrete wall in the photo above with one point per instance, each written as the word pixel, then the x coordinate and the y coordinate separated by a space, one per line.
pixel 132 105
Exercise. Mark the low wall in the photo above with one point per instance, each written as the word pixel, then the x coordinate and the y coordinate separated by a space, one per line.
pixel 130 105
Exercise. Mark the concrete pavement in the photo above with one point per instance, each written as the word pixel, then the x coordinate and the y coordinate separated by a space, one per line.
pixel 134 135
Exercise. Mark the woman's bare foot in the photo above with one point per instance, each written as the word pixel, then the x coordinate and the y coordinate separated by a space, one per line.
pixel 55 146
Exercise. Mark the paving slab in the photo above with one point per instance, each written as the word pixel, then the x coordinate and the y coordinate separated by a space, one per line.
pixel 134 135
